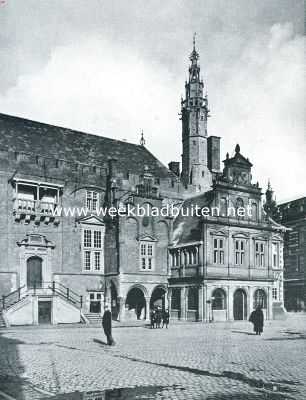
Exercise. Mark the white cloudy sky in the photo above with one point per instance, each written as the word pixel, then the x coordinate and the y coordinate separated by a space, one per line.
pixel 114 67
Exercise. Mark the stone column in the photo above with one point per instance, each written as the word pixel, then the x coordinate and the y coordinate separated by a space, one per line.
pixel 231 303
pixel 147 316
pixel 249 301
pixel 208 308
pixel 121 315
pixel 201 303
pixel 183 303
pixel 269 303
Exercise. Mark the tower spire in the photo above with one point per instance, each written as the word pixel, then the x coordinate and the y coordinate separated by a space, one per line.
pixel 194 40
pixel 194 114
pixel 142 139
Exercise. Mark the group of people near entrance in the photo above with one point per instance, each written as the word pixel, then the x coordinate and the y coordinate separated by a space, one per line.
pixel 159 318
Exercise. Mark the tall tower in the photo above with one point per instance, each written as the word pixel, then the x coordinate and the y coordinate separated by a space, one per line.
pixel 194 114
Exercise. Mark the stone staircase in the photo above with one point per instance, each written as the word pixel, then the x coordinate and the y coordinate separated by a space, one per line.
pixel 94 319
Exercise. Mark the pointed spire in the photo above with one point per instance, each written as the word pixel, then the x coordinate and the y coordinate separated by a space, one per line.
pixel 142 139
pixel 237 148
pixel 194 39
pixel 269 185
pixel 194 55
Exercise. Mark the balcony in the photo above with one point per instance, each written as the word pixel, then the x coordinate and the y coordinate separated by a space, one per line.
pixel 238 272
pixel 35 201
pixel 191 271
pixel 34 210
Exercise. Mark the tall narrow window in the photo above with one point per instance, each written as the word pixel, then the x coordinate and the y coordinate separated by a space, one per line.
pixel 218 251
pixel 92 198
pixel 92 244
pixel 275 255
pixel 259 254
pixel 147 256
pixel 239 252
pixel 223 207
pixel 274 294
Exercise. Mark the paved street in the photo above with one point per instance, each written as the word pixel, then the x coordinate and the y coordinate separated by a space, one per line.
pixel 188 361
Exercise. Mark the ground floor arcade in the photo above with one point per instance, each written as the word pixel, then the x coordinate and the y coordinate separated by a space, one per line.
pixel 219 300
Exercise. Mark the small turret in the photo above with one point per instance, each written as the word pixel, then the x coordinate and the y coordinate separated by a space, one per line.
pixel 270 205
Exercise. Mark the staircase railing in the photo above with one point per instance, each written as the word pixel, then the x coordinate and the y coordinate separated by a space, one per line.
pixel 13 297
pixel 46 288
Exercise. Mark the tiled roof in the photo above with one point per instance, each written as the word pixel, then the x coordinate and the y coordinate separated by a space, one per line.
pixel 37 138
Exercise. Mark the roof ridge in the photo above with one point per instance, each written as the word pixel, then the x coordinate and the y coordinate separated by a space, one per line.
pixel 68 130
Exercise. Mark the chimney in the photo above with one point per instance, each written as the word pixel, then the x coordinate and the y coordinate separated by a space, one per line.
pixel 174 166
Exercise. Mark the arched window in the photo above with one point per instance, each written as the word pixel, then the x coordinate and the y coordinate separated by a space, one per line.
pixel 219 300
pixel 239 208
pixel 260 299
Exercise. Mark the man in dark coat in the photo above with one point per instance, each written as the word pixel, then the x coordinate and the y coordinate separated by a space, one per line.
pixel 257 318
pixel 166 317
pixel 152 318
pixel 107 325
pixel 158 317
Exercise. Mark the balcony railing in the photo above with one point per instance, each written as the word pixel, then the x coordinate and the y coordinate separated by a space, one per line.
pixel 34 206
pixel 223 272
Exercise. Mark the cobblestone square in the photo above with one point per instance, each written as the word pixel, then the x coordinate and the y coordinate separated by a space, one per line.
pixel 186 361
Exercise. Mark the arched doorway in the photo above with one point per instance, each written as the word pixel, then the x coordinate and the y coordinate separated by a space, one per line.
pixel 158 298
pixel 240 305
pixel 135 304
pixel 34 272
pixel 114 301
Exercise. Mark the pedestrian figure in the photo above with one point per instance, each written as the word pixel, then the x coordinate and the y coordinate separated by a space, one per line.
pixel 158 317
pixel 152 318
pixel 166 317
pixel 257 318
pixel 107 325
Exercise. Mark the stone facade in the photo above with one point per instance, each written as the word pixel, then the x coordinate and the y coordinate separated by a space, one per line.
pixel 293 215
pixel 59 253
pixel 225 264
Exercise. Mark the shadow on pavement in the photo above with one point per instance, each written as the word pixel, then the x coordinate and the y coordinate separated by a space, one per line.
pixel 99 342
pixel 253 396
pixel 245 333
pixel 139 392
pixel 11 368
pixel 236 376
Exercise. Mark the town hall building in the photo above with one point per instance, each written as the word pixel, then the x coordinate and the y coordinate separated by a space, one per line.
pixel 61 260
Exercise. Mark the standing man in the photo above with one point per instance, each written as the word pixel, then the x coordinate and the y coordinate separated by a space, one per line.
pixel 166 317
pixel 257 318
pixel 107 325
